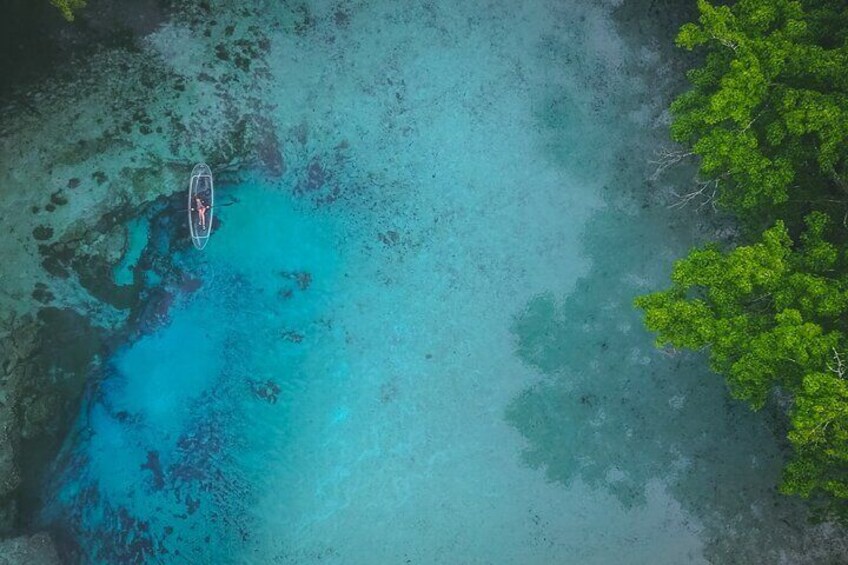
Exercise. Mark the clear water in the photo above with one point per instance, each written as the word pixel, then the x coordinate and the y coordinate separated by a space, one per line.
pixel 442 364
pixel 137 235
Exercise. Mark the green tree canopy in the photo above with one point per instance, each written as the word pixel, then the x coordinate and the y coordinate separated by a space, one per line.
pixel 771 315
pixel 767 114
pixel 68 7
pixel 768 110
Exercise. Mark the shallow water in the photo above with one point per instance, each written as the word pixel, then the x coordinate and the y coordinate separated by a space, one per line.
pixel 416 344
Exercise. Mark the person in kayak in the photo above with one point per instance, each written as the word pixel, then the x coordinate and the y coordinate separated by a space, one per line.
pixel 201 210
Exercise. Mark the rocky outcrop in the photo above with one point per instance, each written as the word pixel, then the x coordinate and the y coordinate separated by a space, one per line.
pixel 15 350
pixel 36 549
pixel 45 360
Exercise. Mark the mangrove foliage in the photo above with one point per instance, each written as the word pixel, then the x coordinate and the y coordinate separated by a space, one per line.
pixel 767 117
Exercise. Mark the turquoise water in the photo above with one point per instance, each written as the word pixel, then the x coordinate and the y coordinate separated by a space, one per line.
pixel 180 431
pixel 137 234
pixel 416 344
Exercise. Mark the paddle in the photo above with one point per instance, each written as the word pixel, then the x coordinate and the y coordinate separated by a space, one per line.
pixel 215 206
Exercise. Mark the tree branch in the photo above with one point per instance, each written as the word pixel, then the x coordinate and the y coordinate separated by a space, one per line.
pixel 667 158
pixel 705 192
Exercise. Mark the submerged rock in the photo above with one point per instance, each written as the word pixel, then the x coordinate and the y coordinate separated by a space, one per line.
pixel 37 549
pixel 45 363
pixel 154 312
pixel 269 151
pixel 266 390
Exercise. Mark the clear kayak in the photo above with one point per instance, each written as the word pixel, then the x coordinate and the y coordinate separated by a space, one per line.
pixel 201 203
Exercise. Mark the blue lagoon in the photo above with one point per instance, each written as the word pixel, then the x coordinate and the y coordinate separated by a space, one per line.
pixel 410 337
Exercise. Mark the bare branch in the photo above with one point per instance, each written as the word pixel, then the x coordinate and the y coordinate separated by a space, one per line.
pixel 667 158
pixel 669 351
pixel 839 369
pixel 704 192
